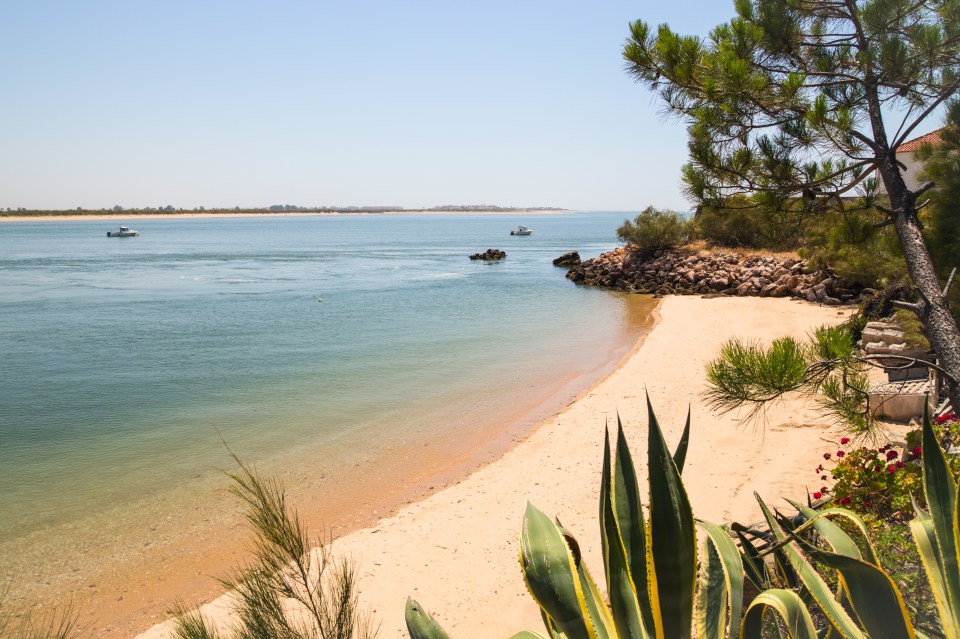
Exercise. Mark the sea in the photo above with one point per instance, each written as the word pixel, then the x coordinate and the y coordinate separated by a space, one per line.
pixel 329 349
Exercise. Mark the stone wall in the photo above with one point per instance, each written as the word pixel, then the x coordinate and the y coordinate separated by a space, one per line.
pixel 689 273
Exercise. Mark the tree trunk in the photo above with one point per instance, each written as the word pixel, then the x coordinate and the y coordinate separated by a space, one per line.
pixel 933 309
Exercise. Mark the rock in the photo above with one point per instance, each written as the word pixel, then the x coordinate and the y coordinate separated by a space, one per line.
pixel 489 255
pixel 568 259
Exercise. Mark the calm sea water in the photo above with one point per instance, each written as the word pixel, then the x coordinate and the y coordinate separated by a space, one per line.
pixel 340 333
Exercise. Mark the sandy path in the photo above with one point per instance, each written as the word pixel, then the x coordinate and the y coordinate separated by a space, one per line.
pixel 456 551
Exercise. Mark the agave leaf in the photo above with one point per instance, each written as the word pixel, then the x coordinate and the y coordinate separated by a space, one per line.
pixel 680 454
pixel 550 571
pixel 873 595
pixel 526 634
pixel 941 493
pixel 813 584
pixel 551 627
pixel 831 533
pixel 788 606
pixel 420 624
pixel 624 602
pixel 754 566
pixel 721 585
pixel 672 536
pixel 598 615
pixel 628 513
pixel 925 538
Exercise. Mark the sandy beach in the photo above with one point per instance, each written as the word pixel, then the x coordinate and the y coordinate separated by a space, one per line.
pixel 456 550
pixel 132 218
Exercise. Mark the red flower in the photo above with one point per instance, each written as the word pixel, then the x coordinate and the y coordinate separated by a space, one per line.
pixel 823 478
pixel 824 490
pixel 840 453
pixel 918 451
pixel 891 469
pixel 817 495
pixel 867 504
pixel 900 464
pixel 891 454
pixel 844 501
pixel 826 455
pixel 844 441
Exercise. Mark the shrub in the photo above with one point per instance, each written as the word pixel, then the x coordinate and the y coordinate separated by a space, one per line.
pixel 740 222
pixel 654 230
pixel 289 591
pixel 883 481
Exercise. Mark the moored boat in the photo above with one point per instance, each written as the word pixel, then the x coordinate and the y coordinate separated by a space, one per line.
pixel 123 231
pixel 521 230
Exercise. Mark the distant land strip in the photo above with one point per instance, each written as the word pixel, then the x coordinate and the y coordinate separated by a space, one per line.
pixel 272 210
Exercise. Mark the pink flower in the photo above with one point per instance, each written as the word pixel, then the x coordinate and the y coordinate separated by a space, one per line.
pixel 817 495
pixel 844 441
pixel 826 455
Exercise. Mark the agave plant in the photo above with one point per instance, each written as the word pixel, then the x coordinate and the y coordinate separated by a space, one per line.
pixel 658 588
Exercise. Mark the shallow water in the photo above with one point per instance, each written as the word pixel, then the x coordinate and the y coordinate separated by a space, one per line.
pixel 334 337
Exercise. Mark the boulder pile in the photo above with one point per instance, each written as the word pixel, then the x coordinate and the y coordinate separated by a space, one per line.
pixel 489 255
pixel 689 273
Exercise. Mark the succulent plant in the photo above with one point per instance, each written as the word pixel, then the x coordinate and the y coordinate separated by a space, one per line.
pixel 659 588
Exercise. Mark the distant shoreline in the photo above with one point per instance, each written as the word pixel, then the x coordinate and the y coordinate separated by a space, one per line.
pixel 61 216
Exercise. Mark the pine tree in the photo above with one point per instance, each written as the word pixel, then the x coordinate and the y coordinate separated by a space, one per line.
pixel 809 100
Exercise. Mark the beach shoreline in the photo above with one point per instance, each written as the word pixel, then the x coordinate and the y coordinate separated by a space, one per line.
pixel 455 549
pixel 163 559
pixel 100 217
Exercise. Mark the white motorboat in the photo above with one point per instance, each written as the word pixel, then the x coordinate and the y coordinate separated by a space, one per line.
pixel 521 230
pixel 123 231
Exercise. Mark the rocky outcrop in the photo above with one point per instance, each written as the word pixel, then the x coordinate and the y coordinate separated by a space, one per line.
pixel 687 273
pixel 489 255
pixel 568 259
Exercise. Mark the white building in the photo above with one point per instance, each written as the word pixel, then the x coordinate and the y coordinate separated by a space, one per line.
pixel 906 153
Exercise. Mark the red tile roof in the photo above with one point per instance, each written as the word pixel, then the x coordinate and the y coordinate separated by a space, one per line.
pixel 912 145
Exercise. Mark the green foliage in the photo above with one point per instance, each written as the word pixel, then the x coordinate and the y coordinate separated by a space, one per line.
pixel 284 571
pixel 942 217
pixel 655 230
pixel 748 375
pixel 859 252
pixel 655 580
pixel 884 481
pixel 776 98
pixel 28 624
pixel 740 222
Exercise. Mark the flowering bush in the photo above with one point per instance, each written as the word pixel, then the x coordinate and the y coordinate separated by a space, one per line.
pixel 883 480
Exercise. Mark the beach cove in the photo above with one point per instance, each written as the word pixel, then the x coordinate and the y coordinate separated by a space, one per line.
pixel 363 360
pixel 455 551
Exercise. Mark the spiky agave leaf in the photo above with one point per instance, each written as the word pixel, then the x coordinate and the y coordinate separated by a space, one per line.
pixel 550 572
pixel 788 606
pixel 672 536
pixel 420 624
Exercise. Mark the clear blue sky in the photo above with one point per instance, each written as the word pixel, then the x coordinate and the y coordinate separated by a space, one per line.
pixel 374 102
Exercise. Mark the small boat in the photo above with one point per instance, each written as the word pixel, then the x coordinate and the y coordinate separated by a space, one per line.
pixel 521 230
pixel 123 231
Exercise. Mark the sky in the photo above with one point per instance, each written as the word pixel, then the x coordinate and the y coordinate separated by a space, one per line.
pixel 373 102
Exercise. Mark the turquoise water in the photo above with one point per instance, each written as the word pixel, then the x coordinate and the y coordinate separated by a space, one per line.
pixel 120 355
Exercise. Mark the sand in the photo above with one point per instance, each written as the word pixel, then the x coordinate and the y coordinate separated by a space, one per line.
pixel 456 550
pixel 130 219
